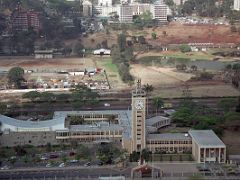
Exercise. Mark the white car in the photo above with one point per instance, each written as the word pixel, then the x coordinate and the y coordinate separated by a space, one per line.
pixel 4 167
pixel 62 165
pixel 44 158
pixel 107 105
pixel 49 165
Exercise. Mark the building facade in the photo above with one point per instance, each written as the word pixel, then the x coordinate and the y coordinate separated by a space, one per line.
pixel 125 13
pixel 159 12
pixel 236 5
pixel 138 118
pixel 207 147
pixel 131 128
pixel 87 9
pixel 23 20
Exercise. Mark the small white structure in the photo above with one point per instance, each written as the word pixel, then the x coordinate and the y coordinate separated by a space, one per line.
pixel 43 54
pixel 236 5
pixel 77 73
pixel 102 52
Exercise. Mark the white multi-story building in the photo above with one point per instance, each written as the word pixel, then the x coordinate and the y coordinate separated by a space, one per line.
pixel 236 5
pixel 139 8
pixel 125 13
pixel 104 2
pixel 159 11
pixel 87 8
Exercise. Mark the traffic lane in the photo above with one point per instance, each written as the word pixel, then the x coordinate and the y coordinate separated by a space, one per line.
pixel 90 172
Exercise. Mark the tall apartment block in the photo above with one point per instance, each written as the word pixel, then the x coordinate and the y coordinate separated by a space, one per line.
pixel 236 5
pixel 23 20
pixel 159 12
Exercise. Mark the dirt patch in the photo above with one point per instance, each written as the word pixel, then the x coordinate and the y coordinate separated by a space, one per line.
pixel 177 33
pixel 159 76
pixel 230 138
pixel 47 64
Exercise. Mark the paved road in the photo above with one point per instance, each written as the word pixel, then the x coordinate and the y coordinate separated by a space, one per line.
pixel 67 173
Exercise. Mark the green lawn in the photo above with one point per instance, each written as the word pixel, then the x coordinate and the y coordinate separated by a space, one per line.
pixel 171 157
pixel 191 55
pixel 109 66
pixel 111 70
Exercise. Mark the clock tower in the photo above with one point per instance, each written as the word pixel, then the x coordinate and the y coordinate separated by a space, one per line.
pixel 138 118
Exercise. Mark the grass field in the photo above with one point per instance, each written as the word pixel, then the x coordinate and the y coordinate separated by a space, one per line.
pixel 112 72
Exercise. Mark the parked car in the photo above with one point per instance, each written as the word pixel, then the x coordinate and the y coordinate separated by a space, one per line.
pixel 87 164
pixel 73 161
pixel 5 167
pixel 62 165
pixel 48 165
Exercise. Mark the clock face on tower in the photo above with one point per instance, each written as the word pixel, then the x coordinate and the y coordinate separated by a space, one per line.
pixel 139 105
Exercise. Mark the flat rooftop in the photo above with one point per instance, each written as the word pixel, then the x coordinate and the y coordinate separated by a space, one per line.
pixel 169 136
pixel 155 119
pixel 206 138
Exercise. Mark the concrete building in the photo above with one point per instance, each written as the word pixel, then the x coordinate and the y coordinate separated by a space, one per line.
pixel 169 143
pixel 23 20
pixel 139 8
pixel 125 13
pixel 159 12
pixel 128 127
pixel 105 2
pixel 138 118
pixel 207 147
pixel 179 2
pixel 236 5
pixel 87 8
pixel 43 54
pixel 102 52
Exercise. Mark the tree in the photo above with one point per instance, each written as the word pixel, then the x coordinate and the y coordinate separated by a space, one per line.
pixel 134 157
pixel 47 97
pixel 154 35
pixel 146 18
pixel 233 29
pixel 185 48
pixel 170 3
pixel 194 68
pixel 32 95
pixel 49 147
pixel 145 154
pixel 3 108
pixel 227 104
pixel 141 40
pixel 64 158
pixel 83 152
pixel 15 76
pixel 158 103
pixel 122 42
pixel 78 49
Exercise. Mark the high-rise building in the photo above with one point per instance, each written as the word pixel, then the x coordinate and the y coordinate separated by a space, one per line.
pixel 87 8
pixel 23 20
pixel 125 13
pixel 138 118
pixel 236 5
pixel 159 12
pixel 104 2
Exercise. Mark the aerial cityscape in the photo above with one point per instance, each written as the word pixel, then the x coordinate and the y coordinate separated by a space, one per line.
pixel 119 89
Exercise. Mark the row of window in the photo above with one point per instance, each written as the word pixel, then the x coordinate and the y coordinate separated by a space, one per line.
pixel 169 142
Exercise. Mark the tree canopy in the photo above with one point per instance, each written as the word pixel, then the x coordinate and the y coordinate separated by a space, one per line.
pixel 15 76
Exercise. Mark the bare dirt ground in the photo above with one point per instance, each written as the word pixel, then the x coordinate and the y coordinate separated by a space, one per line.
pixel 46 64
pixel 168 83
pixel 159 76
pixel 177 33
